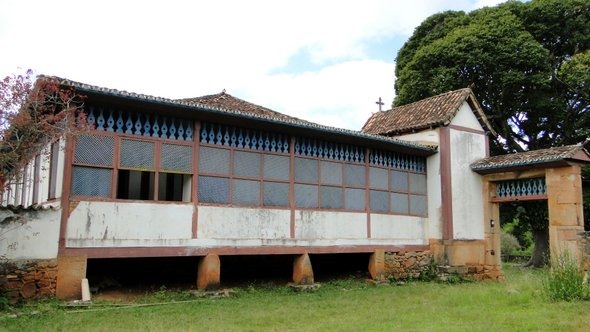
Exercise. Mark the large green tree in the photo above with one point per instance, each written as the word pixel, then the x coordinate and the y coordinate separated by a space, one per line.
pixel 511 56
pixel 528 64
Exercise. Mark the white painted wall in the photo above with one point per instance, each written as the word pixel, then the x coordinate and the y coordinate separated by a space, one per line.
pixel 466 118
pixel 467 200
pixel 428 136
pixel 322 225
pixel 400 229
pixel 35 236
pixel 129 220
pixel 217 222
pixel 122 224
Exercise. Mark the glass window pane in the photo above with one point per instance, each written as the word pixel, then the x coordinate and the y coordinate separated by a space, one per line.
pixel 355 199
pixel 276 167
pixel 306 196
pixel 331 197
pixel 213 160
pixel 213 190
pixel 276 194
pixel 399 181
pixel 90 181
pixel 331 173
pixel 418 205
pixel 417 183
pixel 246 192
pixel 399 203
pixel 355 175
pixel 247 164
pixel 176 158
pixel 379 201
pixel 94 149
pixel 306 170
pixel 137 154
pixel 378 178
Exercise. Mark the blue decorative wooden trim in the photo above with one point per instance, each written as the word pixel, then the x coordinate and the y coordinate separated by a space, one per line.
pixel 329 150
pixel 243 138
pixel 142 124
pixel 397 160
pixel 521 188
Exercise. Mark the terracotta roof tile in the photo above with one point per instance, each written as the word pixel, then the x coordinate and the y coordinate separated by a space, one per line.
pixel 226 101
pixel 555 155
pixel 427 113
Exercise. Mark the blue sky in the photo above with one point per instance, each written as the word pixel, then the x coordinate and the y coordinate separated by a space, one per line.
pixel 324 61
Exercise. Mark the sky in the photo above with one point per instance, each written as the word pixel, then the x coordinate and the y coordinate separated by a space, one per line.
pixel 325 61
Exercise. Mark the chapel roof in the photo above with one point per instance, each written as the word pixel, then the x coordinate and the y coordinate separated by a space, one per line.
pixel 238 108
pixel 427 113
pixel 556 156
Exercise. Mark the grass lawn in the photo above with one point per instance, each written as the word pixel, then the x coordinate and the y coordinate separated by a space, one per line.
pixel 517 304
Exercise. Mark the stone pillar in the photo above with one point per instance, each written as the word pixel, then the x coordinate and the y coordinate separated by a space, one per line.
pixel 302 270
pixel 70 272
pixel 566 219
pixel 208 275
pixel 377 264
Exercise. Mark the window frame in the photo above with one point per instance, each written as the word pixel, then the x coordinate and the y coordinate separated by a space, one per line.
pixel 116 167
pixel 232 177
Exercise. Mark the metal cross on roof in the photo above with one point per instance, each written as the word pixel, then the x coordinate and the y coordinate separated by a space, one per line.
pixel 380 103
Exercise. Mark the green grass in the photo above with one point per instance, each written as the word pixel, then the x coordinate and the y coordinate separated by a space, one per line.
pixel 518 304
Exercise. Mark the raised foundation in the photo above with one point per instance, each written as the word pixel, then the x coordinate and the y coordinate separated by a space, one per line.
pixel 28 279
pixel 302 270
pixel 406 265
pixel 419 264
pixel 377 264
pixel 208 275
pixel 71 271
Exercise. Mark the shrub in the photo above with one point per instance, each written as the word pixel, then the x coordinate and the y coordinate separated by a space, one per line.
pixel 565 280
pixel 509 244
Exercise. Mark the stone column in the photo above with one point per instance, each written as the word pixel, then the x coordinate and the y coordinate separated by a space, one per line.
pixel 566 219
pixel 302 270
pixel 70 272
pixel 208 275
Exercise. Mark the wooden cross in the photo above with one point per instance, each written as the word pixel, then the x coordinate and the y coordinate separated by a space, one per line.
pixel 380 103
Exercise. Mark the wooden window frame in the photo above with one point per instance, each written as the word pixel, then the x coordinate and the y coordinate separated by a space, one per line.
pixel 115 166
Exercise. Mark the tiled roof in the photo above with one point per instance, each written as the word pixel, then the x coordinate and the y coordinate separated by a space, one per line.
pixel 269 117
pixel 226 101
pixel 552 156
pixel 427 113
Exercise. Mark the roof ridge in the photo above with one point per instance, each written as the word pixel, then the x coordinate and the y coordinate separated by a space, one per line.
pixel 431 97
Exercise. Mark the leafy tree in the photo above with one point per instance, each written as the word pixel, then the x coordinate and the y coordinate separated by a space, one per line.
pixel 511 56
pixel 526 62
pixel 32 115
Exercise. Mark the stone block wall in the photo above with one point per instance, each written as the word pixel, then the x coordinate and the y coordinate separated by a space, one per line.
pixel 28 279
pixel 414 265
pixel 407 265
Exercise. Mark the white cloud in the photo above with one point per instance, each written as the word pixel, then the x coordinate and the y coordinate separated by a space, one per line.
pixel 189 48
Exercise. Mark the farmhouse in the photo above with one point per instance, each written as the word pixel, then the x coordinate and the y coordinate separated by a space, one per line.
pixel 216 176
